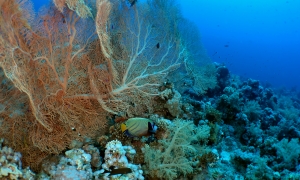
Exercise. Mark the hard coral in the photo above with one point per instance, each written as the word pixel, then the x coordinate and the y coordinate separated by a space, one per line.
pixel 11 165
pixel 117 155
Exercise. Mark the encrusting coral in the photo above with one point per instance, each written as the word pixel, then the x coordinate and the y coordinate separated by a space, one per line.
pixel 78 164
pixel 11 165
pixel 116 156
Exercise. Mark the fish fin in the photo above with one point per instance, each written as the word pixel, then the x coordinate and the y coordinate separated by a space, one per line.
pixel 123 127
pixel 152 128
pixel 126 132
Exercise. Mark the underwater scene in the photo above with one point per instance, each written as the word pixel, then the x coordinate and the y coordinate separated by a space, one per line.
pixel 141 89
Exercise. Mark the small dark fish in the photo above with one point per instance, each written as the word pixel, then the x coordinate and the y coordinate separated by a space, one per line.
pixel 132 2
pixel 157 45
pixel 63 18
pixel 226 45
pixel 118 171
pixel 215 53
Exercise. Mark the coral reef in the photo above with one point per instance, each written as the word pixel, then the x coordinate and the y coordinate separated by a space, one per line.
pixel 86 163
pixel 171 157
pixel 116 156
pixel 41 59
pixel 65 65
pixel 72 73
pixel 11 165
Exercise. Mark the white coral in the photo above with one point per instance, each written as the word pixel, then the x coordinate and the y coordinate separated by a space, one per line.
pixel 116 156
pixel 79 157
pixel 10 164
pixel 75 165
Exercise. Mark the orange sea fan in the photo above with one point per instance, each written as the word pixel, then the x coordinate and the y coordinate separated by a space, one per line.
pixel 47 61
pixel 79 6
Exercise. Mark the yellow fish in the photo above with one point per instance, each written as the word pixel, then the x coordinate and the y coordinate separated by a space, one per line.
pixel 136 127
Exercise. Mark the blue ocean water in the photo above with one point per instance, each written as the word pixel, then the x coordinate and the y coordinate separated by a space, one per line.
pixel 255 39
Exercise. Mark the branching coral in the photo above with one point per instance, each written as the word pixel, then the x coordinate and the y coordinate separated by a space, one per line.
pixel 47 59
pixel 289 151
pixel 79 6
pixel 136 64
pixel 253 110
pixel 72 71
pixel 173 156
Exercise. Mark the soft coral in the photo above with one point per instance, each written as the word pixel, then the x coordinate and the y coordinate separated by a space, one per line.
pixel 173 155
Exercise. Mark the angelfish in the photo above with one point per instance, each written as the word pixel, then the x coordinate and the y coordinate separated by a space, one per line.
pixel 137 127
